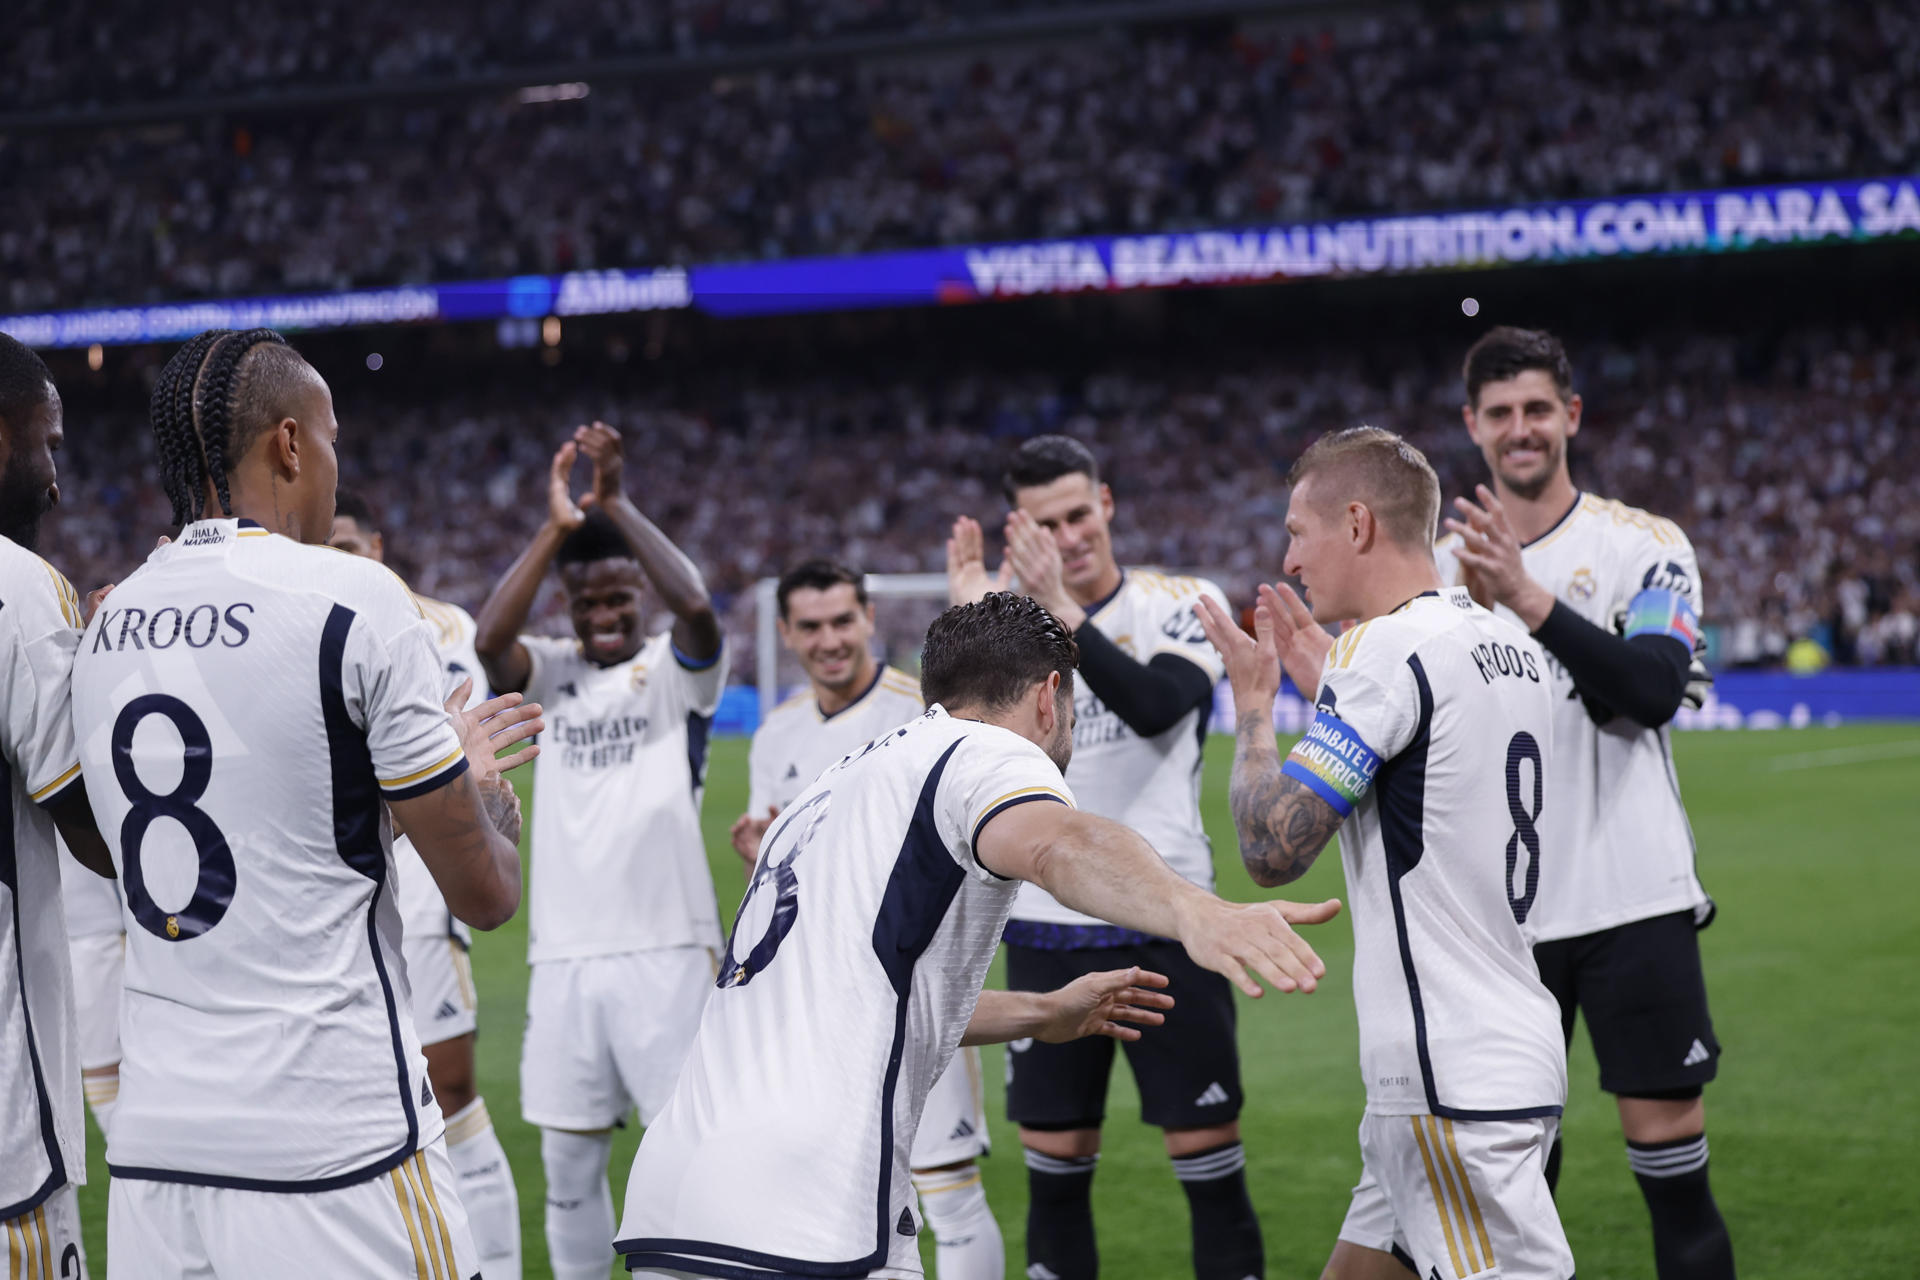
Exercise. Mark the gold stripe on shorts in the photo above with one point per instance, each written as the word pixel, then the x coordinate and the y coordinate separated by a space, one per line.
pixel 13 1251
pixel 431 1201
pixel 46 1249
pixel 1458 1186
pixel 406 1213
pixel 1473 1201
pixel 1440 1196
pixel 463 973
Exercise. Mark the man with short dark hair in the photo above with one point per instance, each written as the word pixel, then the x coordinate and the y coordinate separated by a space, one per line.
pixel 826 621
pixel 1614 595
pixel 623 928
pixel 1431 732
pixel 1145 693
pixel 848 985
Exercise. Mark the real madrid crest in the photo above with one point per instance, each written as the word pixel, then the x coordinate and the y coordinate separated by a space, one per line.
pixel 1582 585
pixel 637 679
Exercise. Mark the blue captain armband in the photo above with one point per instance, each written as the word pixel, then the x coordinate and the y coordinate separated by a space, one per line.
pixel 1661 612
pixel 1333 762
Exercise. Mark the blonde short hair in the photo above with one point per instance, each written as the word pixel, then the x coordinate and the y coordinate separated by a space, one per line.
pixel 1390 477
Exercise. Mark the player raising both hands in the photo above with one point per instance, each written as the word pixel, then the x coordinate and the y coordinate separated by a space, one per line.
pixel 623 930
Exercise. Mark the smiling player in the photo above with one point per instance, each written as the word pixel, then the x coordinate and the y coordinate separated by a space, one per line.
pixel 623 931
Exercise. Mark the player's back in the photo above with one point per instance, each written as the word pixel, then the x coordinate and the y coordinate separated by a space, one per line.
pixel 854 966
pixel 1443 859
pixel 797 741
pixel 243 706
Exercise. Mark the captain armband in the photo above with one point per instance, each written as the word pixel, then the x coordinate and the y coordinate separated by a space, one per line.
pixel 1333 763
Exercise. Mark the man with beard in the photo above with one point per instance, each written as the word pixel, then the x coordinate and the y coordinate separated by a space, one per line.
pixel 43 1129
pixel 624 932
pixel 855 965
pixel 826 621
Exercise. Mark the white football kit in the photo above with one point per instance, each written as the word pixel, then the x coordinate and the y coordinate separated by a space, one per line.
pixel 245 706
pixel 623 928
pixel 435 944
pixel 1149 784
pixel 42 1126
pixel 97 945
pixel 1432 733
pixel 1623 848
pixel 792 747
pixel 853 970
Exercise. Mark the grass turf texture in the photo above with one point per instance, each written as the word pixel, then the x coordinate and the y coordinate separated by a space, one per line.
pixel 1806 841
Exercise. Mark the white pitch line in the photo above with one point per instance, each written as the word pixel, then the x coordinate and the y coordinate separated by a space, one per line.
pixel 1846 755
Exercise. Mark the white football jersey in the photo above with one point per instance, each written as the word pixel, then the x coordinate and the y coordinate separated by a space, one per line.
pixel 423 908
pixel 1149 784
pixel 853 970
pixel 796 742
pixel 245 706
pixel 1623 849
pixel 619 860
pixel 42 1130
pixel 1432 729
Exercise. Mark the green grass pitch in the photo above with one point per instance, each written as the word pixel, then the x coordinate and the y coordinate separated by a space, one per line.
pixel 1807 841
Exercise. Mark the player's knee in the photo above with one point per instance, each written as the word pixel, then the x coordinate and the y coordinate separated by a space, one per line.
pixel 1184 1142
pixel 450 1071
pixel 1662 1119
pixel 575 1163
pixel 1062 1144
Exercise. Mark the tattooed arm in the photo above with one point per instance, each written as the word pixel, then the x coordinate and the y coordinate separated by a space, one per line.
pixel 1283 825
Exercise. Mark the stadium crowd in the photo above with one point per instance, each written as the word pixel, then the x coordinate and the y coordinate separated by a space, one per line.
pixel 1151 130
pixel 1791 472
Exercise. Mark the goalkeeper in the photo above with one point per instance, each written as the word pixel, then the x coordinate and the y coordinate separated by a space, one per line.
pixel 1613 594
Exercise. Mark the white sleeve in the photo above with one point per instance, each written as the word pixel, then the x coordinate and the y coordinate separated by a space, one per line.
pixel 989 773
pixel 394 680
pixel 700 684
pixel 1366 713
pixel 1660 590
pixel 1181 634
pixel 546 658
pixel 42 626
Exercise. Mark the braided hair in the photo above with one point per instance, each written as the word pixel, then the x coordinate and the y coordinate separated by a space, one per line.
pixel 207 407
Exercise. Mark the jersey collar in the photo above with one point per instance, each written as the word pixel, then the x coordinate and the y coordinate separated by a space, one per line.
pixel 1557 525
pixel 879 673
pixel 1107 599
pixel 1408 602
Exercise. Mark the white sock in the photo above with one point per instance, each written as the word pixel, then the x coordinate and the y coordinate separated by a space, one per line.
pixel 967 1243
pixel 102 1085
pixel 579 1203
pixel 486 1189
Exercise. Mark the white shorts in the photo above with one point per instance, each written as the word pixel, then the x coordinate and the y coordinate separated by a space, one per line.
pixel 1466 1198
pixel 953 1126
pixel 99 967
pixel 405 1223
pixel 44 1243
pixel 608 1033
pixel 441 977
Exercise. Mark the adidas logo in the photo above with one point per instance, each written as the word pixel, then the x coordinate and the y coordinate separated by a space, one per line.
pixel 793 771
pixel 1696 1055
pixel 1041 1271
pixel 426 1094
pixel 962 1130
pixel 905 1226
pixel 446 1010
pixel 1213 1096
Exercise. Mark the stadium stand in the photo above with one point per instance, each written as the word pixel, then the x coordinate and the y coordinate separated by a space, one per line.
pixel 1121 129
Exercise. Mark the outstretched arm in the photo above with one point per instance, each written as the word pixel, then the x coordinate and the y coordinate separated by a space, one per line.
pixel 1094 1004
pixel 497 630
pixel 1283 824
pixel 696 628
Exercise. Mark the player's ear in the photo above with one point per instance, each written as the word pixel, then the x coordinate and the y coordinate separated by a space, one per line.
pixel 1473 425
pixel 283 447
pixel 1106 504
pixel 1045 706
pixel 1361 526
pixel 1573 415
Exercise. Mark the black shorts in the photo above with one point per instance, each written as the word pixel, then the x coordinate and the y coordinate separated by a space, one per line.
pixel 1187 1070
pixel 1645 999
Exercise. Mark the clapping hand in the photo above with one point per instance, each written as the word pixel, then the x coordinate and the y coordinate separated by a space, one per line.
pixel 967 576
pixel 1102 1004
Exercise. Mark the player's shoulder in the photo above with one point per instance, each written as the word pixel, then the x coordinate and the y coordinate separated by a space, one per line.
pixel 30 585
pixel 1637 523
pixel 450 622
pixel 898 684
pixel 1386 642
pixel 790 711
pixel 365 586
pixel 1157 585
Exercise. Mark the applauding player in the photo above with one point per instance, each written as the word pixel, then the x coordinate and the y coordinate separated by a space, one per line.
pixel 1144 694
pixel 1614 596
pixel 1432 727
pixel 623 932
pixel 826 620
pixel 856 962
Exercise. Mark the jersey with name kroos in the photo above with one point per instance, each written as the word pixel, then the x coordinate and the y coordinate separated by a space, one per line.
pixel 246 707
pixel 42 1130
pixel 423 908
pixel 1149 784
pixel 797 741
pixel 1617 830
pixel 1431 732
pixel 852 972
pixel 619 860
